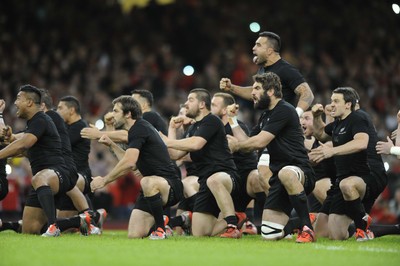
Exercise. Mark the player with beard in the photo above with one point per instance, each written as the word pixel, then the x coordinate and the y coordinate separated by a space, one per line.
pixel 161 185
pixel 245 162
pixel 207 146
pixel 279 130
pixel 267 56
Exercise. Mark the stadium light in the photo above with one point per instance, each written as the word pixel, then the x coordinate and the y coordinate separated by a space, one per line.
pixel 255 27
pixel 99 124
pixel 8 169
pixel 396 8
pixel 188 70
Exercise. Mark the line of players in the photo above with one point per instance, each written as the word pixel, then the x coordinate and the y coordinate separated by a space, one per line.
pixel 59 161
pixel 220 185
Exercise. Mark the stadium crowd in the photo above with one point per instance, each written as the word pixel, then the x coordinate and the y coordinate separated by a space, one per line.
pixel 96 52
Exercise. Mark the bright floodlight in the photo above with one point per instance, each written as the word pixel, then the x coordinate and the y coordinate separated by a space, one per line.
pixel 188 70
pixel 396 8
pixel 99 124
pixel 8 169
pixel 255 27
pixel 387 166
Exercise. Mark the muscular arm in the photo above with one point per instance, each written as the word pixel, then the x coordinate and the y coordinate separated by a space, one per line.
pixel 124 166
pixel 257 142
pixel 306 96
pixel 18 146
pixel 359 143
pixel 226 85
pixel 242 92
pixel 188 145
pixel 94 133
pixel 318 124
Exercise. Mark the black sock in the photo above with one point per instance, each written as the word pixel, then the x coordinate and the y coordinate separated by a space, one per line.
pixel 15 226
pixel 67 223
pixel 299 203
pixel 250 214
pixel 46 199
pixel 351 229
pixel 156 207
pixel 176 221
pixel 233 220
pixel 293 223
pixel 383 230
pixel 89 201
pixel 355 210
pixel 259 203
pixel 190 202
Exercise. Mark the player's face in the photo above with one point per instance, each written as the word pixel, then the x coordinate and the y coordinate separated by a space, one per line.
pixel 119 117
pixel 217 107
pixel 260 51
pixel 306 121
pixel 63 110
pixel 339 107
pixel 21 104
pixel 192 106
pixel 260 97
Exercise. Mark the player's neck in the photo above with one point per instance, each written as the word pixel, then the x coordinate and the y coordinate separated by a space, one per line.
pixel 345 114
pixel 73 119
pixel 129 124
pixel 273 103
pixel 202 114
pixel 225 119
pixel 32 113
pixel 272 59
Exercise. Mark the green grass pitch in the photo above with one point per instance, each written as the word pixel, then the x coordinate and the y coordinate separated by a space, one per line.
pixel 114 248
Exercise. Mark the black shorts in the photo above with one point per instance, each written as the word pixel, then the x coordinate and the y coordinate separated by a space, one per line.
pixel 278 198
pixel 87 177
pixel 244 199
pixel 334 202
pixel 313 204
pixel 174 196
pixel 375 185
pixel 65 185
pixel 205 201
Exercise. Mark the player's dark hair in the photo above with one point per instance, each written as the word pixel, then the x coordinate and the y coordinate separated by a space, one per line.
pixel 348 95
pixel 145 94
pixel 269 81
pixel 273 39
pixel 203 95
pixel 72 102
pixel 355 94
pixel 32 93
pixel 228 99
pixel 128 104
pixel 46 98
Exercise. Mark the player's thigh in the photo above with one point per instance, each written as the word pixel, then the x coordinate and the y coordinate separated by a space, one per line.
pixel 321 225
pixel 275 216
pixel 33 219
pixel 140 223
pixel 253 185
pixel 338 225
pixel 203 224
